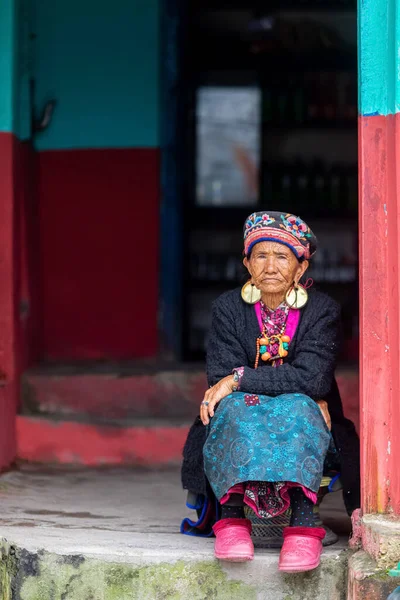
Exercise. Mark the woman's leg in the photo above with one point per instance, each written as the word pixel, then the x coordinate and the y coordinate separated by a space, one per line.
pixel 233 531
pixel 233 508
pixel 302 545
pixel 302 509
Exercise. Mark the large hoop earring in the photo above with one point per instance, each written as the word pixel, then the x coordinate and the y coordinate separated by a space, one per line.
pixel 297 296
pixel 250 294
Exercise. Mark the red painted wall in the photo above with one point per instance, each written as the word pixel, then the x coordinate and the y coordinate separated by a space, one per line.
pixel 99 214
pixel 9 291
pixel 29 309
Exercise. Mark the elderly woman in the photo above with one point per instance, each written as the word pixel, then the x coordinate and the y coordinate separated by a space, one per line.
pixel 264 427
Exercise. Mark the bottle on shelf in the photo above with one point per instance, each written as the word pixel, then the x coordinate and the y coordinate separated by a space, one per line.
pixel 351 177
pixel 336 189
pixel 286 188
pixel 350 109
pixel 276 175
pixel 267 104
pixel 317 267
pixel 298 102
pixel 202 266
pixel 312 97
pixel 267 185
pixel 301 191
pixel 282 104
pixel 328 99
pixel 318 195
pixel 230 270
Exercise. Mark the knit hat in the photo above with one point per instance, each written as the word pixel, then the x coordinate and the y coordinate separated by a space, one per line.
pixel 283 228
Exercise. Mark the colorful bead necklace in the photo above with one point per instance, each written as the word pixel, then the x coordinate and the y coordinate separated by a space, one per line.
pixel 272 343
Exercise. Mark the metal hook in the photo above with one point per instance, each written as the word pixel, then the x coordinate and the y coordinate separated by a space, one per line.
pixel 46 118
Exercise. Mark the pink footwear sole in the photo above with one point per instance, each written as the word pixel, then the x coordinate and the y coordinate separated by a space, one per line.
pixel 299 569
pixel 301 550
pixel 233 541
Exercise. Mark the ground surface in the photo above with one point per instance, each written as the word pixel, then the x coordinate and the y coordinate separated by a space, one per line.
pixel 120 516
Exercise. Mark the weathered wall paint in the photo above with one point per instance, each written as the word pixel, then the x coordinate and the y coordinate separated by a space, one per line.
pixel 379 313
pixel 379 48
pixel 99 60
pixel 379 138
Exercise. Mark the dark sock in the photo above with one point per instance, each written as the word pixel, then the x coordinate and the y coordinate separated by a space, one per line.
pixel 302 509
pixel 234 509
pixel 232 512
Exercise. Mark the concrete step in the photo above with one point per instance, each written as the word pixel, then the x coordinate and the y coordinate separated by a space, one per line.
pixel 109 391
pixel 136 442
pixel 118 415
pixel 114 534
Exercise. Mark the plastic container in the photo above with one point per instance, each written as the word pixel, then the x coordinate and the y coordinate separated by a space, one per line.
pixel 395 595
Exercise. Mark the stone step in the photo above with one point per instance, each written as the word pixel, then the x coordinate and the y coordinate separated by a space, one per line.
pixel 138 442
pixel 108 534
pixel 113 392
pixel 118 415
pixel 128 392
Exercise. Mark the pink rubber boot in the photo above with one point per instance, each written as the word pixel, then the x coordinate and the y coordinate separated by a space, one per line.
pixel 301 550
pixel 233 541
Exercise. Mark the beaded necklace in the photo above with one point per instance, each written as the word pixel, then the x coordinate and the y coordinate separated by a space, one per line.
pixel 272 343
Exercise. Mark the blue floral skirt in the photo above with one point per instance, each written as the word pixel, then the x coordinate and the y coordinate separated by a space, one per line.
pixel 280 440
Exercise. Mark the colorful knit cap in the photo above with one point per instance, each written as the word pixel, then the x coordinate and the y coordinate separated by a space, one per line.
pixel 279 227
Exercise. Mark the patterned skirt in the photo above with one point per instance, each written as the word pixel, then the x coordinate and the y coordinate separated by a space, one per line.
pixel 264 445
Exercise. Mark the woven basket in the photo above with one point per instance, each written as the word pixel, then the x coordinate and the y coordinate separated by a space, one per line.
pixel 268 533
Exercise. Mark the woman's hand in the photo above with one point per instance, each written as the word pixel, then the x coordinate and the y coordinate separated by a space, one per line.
pixel 323 406
pixel 214 395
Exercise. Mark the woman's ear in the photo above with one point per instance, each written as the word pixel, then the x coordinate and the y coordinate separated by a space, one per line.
pixel 303 266
pixel 247 264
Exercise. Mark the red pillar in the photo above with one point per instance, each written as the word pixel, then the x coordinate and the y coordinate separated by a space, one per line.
pixel 9 271
pixel 379 297
pixel 9 275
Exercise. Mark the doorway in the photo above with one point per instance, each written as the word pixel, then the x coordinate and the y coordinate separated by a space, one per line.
pixel 272 119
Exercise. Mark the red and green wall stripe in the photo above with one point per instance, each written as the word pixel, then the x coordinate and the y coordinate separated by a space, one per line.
pixel 94 175
pixel 99 176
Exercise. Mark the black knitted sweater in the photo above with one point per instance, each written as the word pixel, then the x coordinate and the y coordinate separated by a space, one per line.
pixel 309 368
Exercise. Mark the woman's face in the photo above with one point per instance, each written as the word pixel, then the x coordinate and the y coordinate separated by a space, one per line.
pixel 273 267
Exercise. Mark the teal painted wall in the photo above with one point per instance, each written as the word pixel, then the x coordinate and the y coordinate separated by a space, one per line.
pixel 100 60
pixel 24 73
pixel 15 67
pixel 379 57
pixel 7 64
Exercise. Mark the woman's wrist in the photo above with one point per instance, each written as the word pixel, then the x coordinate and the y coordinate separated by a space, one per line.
pixel 237 376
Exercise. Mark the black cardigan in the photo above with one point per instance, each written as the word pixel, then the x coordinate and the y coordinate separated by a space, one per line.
pixel 309 369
